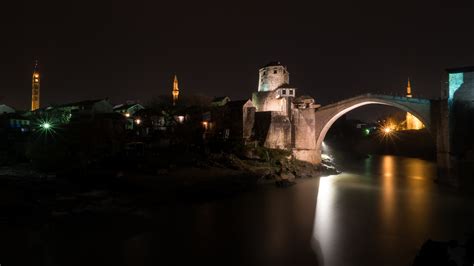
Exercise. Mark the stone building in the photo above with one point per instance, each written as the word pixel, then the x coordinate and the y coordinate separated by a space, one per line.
pixel 233 121
pixel 283 120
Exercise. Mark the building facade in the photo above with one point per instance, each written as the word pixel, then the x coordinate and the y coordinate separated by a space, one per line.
pixel 284 120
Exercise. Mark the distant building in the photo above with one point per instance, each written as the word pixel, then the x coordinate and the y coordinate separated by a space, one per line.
pixel 5 109
pixel 233 121
pixel 88 107
pixel 412 122
pixel 14 122
pixel 128 109
pixel 220 101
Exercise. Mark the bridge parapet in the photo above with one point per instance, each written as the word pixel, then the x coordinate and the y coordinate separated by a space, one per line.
pixel 366 96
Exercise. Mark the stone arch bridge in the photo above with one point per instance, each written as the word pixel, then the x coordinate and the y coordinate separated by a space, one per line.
pixel 309 149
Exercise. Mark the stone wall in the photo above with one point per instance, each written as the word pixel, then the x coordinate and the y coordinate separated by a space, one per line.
pixel 248 120
pixel 271 77
pixel 304 144
pixel 268 101
pixel 273 130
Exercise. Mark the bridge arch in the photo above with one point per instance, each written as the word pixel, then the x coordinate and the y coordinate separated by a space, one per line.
pixel 327 115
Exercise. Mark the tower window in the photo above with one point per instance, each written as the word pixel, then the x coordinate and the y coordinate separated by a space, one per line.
pixel 275 71
pixel 291 92
pixel 283 92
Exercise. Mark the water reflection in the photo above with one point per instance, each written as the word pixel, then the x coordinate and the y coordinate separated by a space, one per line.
pixel 387 192
pixel 380 211
pixel 325 228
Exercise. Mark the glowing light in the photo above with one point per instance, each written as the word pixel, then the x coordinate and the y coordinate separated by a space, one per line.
pixel 138 121
pixel 205 124
pixel 367 131
pixel 36 75
pixel 127 115
pixel 45 125
pixel 181 118
pixel 387 131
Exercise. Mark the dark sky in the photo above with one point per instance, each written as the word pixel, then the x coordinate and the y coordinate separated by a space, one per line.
pixel 129 50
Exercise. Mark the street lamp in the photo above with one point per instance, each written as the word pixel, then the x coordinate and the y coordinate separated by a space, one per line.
pixel 45 125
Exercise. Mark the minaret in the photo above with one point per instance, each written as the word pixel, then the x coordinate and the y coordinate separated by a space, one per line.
pixel 409 89
pixel 35 88
pixel 412 122
pixel 175 90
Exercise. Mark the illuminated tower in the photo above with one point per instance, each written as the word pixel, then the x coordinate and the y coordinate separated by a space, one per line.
pixel 35 88
pixel 175 90
pixel 412 122
pixel 409 89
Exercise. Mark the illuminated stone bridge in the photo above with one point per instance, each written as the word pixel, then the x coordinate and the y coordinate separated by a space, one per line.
pixel 310 131
pixel 328 114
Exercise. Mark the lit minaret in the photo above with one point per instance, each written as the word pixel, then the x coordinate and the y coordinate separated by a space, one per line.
pixel 412 122
pixel 175 90
pixel 409 89
pixel 35 88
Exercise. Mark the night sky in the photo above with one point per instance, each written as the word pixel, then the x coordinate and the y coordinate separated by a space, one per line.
pixel 129 50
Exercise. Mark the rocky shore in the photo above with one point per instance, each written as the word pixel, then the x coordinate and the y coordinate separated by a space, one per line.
pixel 42 196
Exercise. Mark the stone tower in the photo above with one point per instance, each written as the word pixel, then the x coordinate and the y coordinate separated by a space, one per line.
pixel 272 76
pixel 35 87
pixel 273 102
pixel 412 122
pixel 274 92
pixel 175 90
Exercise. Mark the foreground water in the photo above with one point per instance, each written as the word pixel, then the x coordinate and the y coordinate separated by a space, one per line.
pixel 381 211
pixel 378 211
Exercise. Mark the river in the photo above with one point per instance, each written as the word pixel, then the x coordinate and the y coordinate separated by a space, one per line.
pixel 378 211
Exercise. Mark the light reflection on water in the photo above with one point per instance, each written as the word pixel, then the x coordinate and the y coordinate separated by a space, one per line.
pixel 380 211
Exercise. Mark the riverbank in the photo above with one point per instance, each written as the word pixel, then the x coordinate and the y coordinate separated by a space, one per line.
pixel 31 196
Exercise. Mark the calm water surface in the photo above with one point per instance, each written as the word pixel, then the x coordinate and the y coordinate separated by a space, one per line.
pixel 379 211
